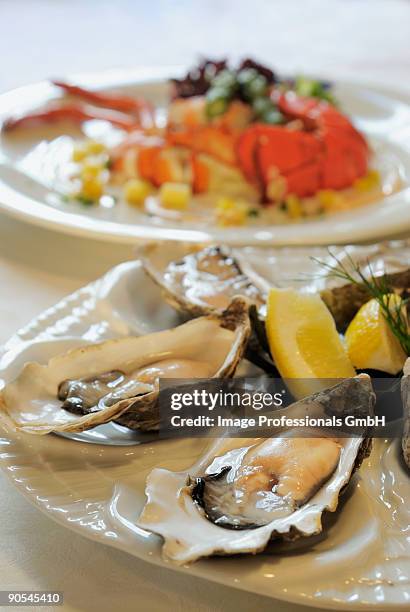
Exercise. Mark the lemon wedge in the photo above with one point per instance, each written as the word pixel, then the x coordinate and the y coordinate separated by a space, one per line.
pixel 303 340
pixel 370 342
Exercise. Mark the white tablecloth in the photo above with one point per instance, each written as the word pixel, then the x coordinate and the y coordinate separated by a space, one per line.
pixel 351 39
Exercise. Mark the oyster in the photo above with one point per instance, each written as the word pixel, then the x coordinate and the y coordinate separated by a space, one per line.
pixel 118 379
pixel 344 302
pixel 246 492
pixel 198 280
pixel 405 391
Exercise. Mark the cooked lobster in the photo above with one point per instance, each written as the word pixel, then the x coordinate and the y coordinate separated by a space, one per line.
pixel 315 147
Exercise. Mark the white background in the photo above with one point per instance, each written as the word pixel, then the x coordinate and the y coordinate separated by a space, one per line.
pixel 364 40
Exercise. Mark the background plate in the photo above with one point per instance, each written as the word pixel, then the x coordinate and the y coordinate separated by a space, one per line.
pixel 361 560
pixel 384 117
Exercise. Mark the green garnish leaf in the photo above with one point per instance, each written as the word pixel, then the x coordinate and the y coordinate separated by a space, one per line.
pixel 253 212
pixel 262 105
pixel 272 117
pixel 311 88
pixel 85 201
pixel 217 101
pixel 226 79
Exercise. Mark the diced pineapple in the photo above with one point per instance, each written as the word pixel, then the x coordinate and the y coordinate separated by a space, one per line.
pixel 93 147
pixel 79 153
pixel 367 182
pixel 90 170
pixel 231 212
pixel 136 191
pixel 86 149
pixel 293 206
pixel 330 199
pixel 175 196
pixel 91 189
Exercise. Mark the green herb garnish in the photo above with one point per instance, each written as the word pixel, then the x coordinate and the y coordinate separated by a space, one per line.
pixel 253 212
pixel 378 289
pixel 311 88
pixel 85 201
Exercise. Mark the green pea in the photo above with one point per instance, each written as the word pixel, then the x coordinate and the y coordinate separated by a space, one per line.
pixel 314 89
pixel 226 79
pixel 273 117
pixel 257 87
pixel 217 101
pixel 262 105
pixel 246 75
pixel 305 87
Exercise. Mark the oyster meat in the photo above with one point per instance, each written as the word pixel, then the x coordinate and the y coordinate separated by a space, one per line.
pixel 246 492
pixel 271 479
pixel 118 379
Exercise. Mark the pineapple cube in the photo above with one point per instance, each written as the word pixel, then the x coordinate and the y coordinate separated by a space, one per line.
pixel 91 189
pixel 90 170
pixel 175 196
pixel 93 147
pixel 86 149
pixel 371 180
pixel 330 199
pixel 136 191
pixel 293 206
pixel 230 212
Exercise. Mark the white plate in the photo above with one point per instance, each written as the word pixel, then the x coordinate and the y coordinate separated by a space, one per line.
pixel 383 117
pixel 363 558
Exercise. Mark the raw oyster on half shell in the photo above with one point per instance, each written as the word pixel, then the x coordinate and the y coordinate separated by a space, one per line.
pixel 246 492
pixel 118 379
pixel 198 280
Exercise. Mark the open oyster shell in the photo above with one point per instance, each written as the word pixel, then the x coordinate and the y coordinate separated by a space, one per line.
pixel 223 504
pixel 405 391
pixel 118 379
pixel 198 279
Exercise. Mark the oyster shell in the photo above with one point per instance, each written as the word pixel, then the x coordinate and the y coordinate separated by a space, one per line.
pixel 199 280
pixel 405 392
pixel 344 302
pixel 246 492
pixel 118 379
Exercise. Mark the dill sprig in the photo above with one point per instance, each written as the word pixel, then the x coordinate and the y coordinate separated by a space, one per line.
pixel 394 311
